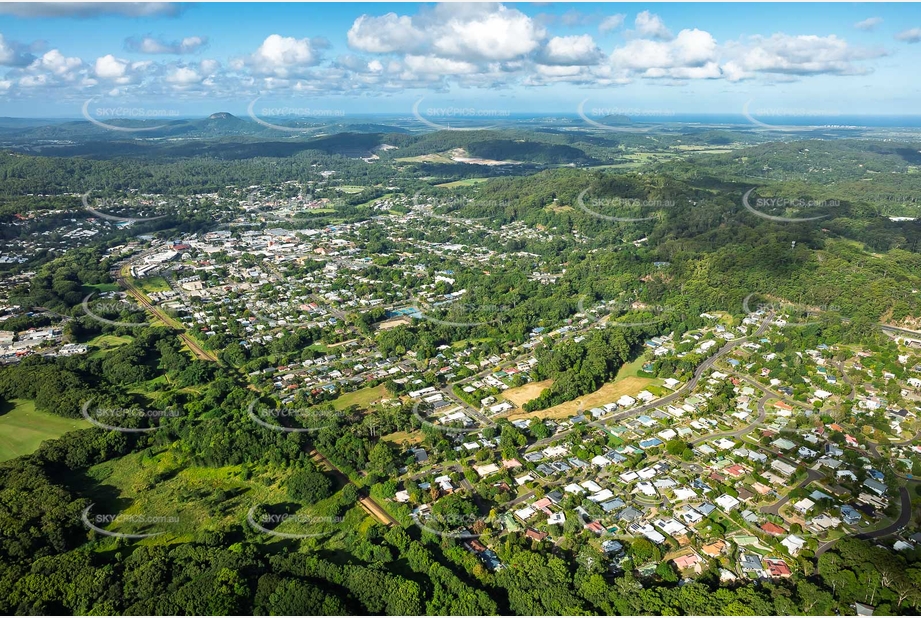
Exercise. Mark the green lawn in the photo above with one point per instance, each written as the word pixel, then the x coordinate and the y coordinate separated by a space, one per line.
pixel 632 368
pixel 362 397
pixel 101 287
pixel 152 284
pixel 22 429
pixel 107 343
pixel 181 500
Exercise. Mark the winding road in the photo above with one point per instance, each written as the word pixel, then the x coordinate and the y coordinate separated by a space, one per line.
pixel 902 521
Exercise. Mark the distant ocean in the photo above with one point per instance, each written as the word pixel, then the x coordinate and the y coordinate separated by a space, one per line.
pixel 847 120
pixel 563 120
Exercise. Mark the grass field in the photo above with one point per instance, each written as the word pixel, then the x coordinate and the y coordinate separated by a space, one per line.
pixel 107 343
pixel 22 429
pixel 606 394
pixel 523 394
pixel 400 437
pixel 101 287
pixel 185 500
pixel 630 369
pixel 152 284
pixel 362 397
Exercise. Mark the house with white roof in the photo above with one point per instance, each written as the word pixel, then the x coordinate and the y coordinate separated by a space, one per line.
pixel 793 544
pixel 727 502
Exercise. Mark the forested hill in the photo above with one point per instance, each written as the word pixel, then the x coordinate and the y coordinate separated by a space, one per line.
pixel 811 160
pixel 215 126
pixel 864 264
pixel 494 145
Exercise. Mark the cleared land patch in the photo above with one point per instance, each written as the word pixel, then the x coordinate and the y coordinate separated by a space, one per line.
pixel 611 391
pixel 23 429
pixel 523 394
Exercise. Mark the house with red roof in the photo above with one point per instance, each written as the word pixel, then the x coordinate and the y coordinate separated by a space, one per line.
pixel 535 535
pixel 772 529
pixel 688 561
pixel 777 567
pixel 595 527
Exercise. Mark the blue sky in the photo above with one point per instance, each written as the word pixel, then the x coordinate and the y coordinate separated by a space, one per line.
pixel 147 59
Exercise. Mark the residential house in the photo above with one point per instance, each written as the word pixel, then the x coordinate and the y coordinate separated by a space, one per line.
pixel 794 544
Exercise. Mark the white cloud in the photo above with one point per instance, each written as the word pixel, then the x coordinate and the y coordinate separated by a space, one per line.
pixel 434 65
pixel 484 32
pixel 798 55
pixel 651 25
pixel 558 70
pixel 12 54
pixel 473 33
pixel 150 45
pixel 869 23
pixel 210 66
pixel 690 49
pixel 440 47
pixel 284 56
pixel 611 23
pixel 912 35
pixel 572 50
pixel 183 76
pixel 110 67
pixel 710 70
pixel 57 64
pixel 385 34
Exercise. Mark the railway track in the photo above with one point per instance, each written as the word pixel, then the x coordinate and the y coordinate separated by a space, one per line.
pixel 370 506
pixel 187 339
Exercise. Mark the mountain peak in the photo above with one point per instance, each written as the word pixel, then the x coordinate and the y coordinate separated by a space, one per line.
pixel 222 116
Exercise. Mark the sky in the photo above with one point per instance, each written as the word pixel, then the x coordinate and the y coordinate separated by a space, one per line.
pixel 146 60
